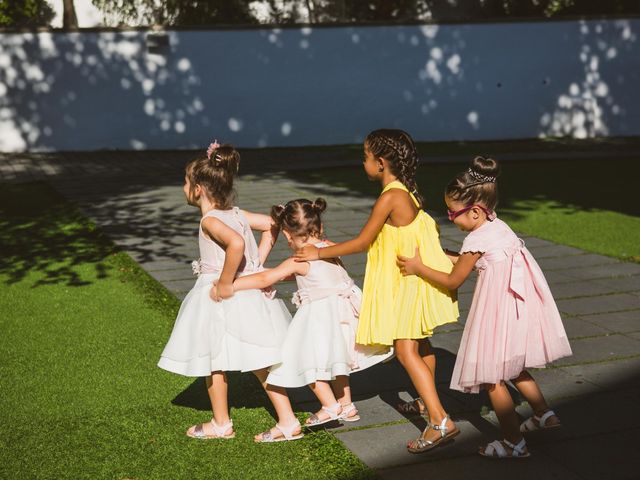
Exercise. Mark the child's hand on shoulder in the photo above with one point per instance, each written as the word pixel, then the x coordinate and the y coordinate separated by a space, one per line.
pixel 410 266
pixel 307 253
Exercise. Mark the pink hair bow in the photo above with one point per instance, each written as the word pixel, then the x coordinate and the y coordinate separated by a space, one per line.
pixel 212 148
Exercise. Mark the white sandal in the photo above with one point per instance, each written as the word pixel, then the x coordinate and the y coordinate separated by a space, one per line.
pixel 287 433
pixel 496 450
pixel 333 411
pixel 218 431
pixel 349 413
pixel 534 423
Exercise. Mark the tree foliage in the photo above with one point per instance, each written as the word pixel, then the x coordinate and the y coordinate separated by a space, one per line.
pixel 25 13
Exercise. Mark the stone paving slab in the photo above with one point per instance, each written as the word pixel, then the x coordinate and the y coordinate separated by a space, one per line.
pixel 577 327
pixel 474 467
pixel 620 269
pixel 611 456
pixel 621 374
pixel 573 261
pixel 551 251
pixel 596 349
pixel 385 446
pixel 582 289
pixel 620 322
pixel 599 304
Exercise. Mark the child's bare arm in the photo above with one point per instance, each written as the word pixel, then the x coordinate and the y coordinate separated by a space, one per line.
pixel 269 229
pixel 379 214
pixel 266 278
pixel 451 255
pixel 233 245
pixel 450 281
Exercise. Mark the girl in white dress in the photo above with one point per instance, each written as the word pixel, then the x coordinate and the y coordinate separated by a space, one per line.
pixel 319 349
pixel 239 333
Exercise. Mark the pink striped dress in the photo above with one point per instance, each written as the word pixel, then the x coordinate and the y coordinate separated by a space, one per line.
pixel 513 322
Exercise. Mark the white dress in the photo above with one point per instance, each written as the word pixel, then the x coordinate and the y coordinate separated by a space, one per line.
pixel 320 342
pixel 242 333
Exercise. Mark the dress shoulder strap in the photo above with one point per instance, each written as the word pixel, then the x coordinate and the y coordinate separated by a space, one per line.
pixel 400 186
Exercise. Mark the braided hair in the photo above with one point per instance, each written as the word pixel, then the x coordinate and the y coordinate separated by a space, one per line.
pixel 477 184
pixel 398 148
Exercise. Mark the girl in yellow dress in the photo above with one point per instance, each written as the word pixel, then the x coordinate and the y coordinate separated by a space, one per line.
pixel 400 311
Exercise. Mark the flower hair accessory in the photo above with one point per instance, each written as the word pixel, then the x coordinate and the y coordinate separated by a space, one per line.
pixel 212 148
pixel 480 177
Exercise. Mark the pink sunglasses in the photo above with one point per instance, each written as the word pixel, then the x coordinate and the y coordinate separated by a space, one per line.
pixel 453 215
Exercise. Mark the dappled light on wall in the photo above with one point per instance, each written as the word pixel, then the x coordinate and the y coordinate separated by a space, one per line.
pixel 588 104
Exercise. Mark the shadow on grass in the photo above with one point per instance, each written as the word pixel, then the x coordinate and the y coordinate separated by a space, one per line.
pixel 40 231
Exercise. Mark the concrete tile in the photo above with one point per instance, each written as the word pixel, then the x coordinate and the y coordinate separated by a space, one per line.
pixel 598 349
pixel 579 289
pixel 385 447
pixel 620 269
pixel 619 322
pixel 614 375
pixel 576 327
pixel 558 383
pixel 181 273
pixel 176 286
pixel 474 467
pixel 612 456
pixel 547 251
pixel 575 261
pixel 599 304
pixel 622 284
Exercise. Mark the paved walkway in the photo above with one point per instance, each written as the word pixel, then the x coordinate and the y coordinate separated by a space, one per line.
pixel 137 199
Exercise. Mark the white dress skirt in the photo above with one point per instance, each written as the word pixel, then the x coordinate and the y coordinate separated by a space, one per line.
pixel 242 333
pixel 320 342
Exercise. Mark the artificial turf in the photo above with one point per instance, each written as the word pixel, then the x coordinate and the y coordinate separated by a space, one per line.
pixel 82 329
pixel 588 204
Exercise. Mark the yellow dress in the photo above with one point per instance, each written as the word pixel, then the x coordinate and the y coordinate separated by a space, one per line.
pixel 393 306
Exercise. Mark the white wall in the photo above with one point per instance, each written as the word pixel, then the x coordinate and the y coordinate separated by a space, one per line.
pixel 303 86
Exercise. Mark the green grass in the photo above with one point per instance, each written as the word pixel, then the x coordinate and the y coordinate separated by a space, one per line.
pixel 82 329
pixel 589 204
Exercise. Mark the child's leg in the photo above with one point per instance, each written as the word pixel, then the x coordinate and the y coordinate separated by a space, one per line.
pixel 407 351
pixel 505 411
pixel 342 392
pixel 324 393
pixel 217 389
pixel 278 397
pixel 428 357
pixel 341 389
pixel 530 390
pixel 281 403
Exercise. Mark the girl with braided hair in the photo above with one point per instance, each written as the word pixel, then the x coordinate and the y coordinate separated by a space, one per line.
pixel 513 323
pixel 400 311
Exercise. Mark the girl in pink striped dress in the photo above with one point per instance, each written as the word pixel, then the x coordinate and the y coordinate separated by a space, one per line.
pixel 513 323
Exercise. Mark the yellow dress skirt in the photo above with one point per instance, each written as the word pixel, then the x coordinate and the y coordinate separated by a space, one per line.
pixel 397 307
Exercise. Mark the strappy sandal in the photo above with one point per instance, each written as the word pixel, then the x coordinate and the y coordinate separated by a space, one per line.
pixel 534 422
pixel 415 406
pixel 218 431
pixel 287 434
pixel 349 413
pixel 334 413
pixel 496 450
pixel 421 444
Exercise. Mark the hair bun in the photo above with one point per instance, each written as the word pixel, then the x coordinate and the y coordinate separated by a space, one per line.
pixel 277 211
pixel 227 157
pixel 320 205
pixel 485 166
